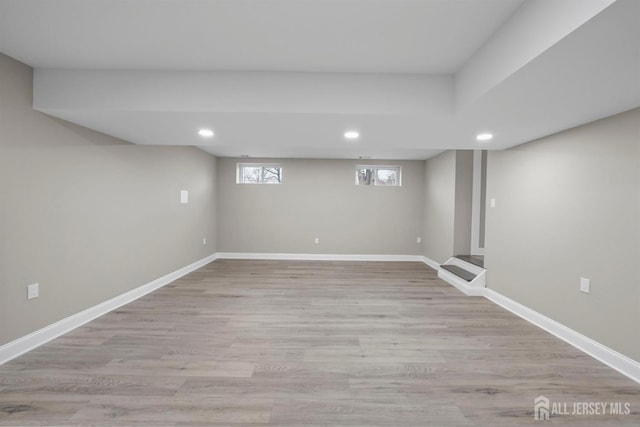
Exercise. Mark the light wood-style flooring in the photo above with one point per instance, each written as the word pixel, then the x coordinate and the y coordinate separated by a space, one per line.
pixel 293 343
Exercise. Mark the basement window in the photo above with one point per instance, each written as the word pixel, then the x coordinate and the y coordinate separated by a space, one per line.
pixel 258 173
pixel 383 176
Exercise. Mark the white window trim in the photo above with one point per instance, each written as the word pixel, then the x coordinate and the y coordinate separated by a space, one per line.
pixel 241 166
pixel 375 174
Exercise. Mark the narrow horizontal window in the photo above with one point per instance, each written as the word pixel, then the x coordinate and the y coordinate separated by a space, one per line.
pixel 384 176
pixel 258 173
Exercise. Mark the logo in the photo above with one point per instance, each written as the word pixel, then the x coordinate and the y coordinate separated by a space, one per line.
pixel 541 408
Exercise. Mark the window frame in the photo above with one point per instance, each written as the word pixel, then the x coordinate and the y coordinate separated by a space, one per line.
pixel 240 175
pixel 374 176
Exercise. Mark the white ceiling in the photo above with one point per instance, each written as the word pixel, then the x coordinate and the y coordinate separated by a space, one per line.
pixel 362 36
pixel 285 78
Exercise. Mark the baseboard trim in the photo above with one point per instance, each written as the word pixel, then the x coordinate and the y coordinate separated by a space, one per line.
pixel 317 257
pixel 621 363
pixel 35 339
pixel 431 263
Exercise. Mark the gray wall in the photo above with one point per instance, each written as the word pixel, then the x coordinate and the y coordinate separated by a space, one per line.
pixel 439 206
pixel 88 216
pixel 463 199
pixel 569 206
pixel 483 198
pixel 447 205
pixel 319 198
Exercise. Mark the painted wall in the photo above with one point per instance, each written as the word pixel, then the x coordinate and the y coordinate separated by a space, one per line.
pixel 87 216
pixel 483 198
pixel 568 206
pixel 463 200
pixel 447 205
pixel 319 198
pixel 439 206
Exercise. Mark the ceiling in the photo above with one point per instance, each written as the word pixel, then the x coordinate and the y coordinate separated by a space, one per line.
pixel 360 36
pixel 286 78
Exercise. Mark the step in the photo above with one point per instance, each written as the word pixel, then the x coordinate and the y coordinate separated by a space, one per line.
pixel 472 259
pixel 460 272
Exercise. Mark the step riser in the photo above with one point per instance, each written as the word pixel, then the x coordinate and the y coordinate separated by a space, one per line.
pixel 460 272
pixel 474 288
pixel 465 265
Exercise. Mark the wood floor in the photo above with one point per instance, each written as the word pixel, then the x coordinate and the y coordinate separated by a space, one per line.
pixel 307 343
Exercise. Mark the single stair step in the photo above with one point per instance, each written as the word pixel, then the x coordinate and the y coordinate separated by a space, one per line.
pixel 472 259
pixel 460 272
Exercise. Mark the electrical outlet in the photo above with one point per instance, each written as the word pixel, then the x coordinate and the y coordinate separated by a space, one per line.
pixel 33 291
pixel 585 285
pixel 184 196
pixel 419 240
pixel 204 240
pixel 492 203
pixel 316 240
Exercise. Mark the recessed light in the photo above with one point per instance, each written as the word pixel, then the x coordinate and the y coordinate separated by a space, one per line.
pixel 484 136
pixel 205 133
pixel 352 135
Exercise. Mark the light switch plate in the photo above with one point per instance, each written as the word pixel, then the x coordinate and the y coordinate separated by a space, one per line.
pixel 585 285
pixel 184 196
pixel 33 291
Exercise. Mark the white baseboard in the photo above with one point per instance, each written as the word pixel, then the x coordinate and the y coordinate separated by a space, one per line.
pixel 317 257
pixel 604 354
pixel 35 339
pixel 431 263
